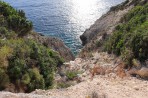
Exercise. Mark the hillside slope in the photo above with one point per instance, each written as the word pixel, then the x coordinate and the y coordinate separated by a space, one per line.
pixel 95 37
pixel 27 60
pixel 97 74
pixel 101 86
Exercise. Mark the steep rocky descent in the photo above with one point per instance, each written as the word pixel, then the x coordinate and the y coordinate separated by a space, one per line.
pixel 99 30
pixel 110 85
pixel 101 86
pixel 53 43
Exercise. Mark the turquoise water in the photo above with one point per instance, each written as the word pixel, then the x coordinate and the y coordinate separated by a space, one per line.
pixel 65 19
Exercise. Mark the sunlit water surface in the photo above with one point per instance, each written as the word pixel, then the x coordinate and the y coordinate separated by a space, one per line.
pixel 66 19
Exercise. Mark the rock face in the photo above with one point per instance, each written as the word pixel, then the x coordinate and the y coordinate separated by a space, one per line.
pixel 143 72
pixel 53 43
pixel 105 24
pixel 108 22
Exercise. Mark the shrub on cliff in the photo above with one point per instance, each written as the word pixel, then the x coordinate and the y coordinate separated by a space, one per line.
pixel 4 79
pixel 72 74
pixel 24 64
pixel 7 34
pixel 18 24
pixel 130 40
pixel 15 19
pixel 28 63
pixel 19 58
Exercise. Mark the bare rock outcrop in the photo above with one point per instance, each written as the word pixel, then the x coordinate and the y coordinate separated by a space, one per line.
pixel 143 72
pixel 53 43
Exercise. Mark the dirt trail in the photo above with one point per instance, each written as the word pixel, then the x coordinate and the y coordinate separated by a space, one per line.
pixel 109 86
pixel 103 86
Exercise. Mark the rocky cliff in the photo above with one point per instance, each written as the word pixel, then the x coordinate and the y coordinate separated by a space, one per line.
pixel 53 43
pixel 104 26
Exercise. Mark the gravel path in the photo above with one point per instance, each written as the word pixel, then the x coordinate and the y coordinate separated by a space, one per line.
pixel 108 86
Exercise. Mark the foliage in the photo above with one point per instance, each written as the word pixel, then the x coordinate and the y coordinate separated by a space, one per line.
pixel 98 43
pixel 24 63
pixel 37 80
pixel 19 25
pixel 5 33
pixel 14 19
pixel 63 85
pixel 29 62
pixel 71 74
pixel 5 53
pixel 4 79
pixel 130 40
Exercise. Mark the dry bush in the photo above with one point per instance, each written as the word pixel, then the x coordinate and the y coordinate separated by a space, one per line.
pixel 96 95
pixel 97 70
pixel 120 70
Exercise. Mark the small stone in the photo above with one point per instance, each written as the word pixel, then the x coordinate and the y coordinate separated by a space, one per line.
pixel 98 83
pixel 136 88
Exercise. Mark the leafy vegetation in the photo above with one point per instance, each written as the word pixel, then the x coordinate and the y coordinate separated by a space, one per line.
pixel 14 19
pixel 72 74
pixel 28 63
pixel 130 40
pixel 64 85
pixel 24 63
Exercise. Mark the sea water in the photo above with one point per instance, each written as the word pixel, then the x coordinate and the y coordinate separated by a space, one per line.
pixel 65 19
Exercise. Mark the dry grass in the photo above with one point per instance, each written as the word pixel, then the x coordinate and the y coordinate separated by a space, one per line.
pixel 96 95
pixel 97 70
pixel 120 70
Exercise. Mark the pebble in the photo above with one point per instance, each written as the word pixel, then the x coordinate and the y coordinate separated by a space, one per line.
pixel 136 88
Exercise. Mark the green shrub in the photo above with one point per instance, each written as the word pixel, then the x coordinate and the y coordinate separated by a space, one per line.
pixel 3 21
pixel 4 79
pixel 26 79
pixel 19 25
pixel 16 68
pixel 5 53
pixel 63 85
pixel 5 33
pixel 29 63
pixel 24 63
pixel 37 80
pixel 15 19
pixel 6 9
pixel 71 74
pixel 130 40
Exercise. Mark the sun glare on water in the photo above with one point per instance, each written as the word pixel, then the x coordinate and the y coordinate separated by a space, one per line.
pixel 84 11
pixel 65 19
